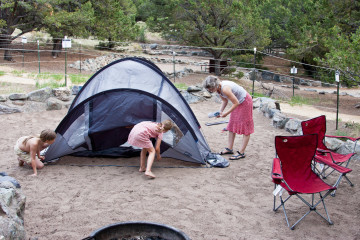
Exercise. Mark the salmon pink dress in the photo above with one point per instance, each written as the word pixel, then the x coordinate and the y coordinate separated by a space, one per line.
pixel 142 132
pixel 241 118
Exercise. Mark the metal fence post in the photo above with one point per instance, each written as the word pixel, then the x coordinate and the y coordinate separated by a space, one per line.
pixel 65 67
pixel 293 71
pixel 337 79
pixel 80 57
pixel 253 86
pixel 174 66
pixel 23 54
pixel 38 54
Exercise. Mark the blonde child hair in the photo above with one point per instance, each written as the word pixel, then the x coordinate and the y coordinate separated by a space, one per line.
pixel 167 125
pixel 45 135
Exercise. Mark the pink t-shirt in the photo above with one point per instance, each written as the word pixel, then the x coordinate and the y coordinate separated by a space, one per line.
pixel 142 132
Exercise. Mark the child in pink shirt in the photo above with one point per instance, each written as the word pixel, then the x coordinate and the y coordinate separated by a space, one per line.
pixel 140 137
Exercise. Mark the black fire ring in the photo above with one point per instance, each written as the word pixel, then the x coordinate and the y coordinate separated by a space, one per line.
pixel 140 230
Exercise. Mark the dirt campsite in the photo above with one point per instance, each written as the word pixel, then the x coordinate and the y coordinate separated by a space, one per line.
pixel 74 196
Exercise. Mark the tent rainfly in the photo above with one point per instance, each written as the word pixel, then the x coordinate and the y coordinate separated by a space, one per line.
pixel 118 96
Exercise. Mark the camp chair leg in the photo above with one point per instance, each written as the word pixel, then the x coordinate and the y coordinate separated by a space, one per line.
pixel 327 214
pixel 283 205
pixel 293 226
pixel 324 176
pixel 348 180
pixel 338 182
pixel 315 169
pixel 274 203
pixel 312 207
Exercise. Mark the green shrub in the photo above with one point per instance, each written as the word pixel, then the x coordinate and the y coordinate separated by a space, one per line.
pixel 256 95
pixel 142 34
pixel 18 73
pixel 299 100
pixel 51 84
pixel 181 86
pixel 49 76
pixel 239 75
pixel 78 78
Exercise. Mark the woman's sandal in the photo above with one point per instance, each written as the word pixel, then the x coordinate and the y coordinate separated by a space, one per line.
pixel 227 151
pixel 237 157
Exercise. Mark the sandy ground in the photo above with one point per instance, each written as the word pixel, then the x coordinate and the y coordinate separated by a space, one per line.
pixel 307 111
pixel 69 201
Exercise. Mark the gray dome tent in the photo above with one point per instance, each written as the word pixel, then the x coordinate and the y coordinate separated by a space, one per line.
pixel 118 96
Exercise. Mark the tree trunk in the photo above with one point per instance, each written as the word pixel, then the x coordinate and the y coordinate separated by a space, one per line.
pixel 217 67
pixel 111 44
pixel 217 57
pixel 6 43
pixel 57 47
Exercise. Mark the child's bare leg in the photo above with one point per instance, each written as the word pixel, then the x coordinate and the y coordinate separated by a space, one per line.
pixel 143 160
pixel 39 164
pixel 150 162
pixel 21 162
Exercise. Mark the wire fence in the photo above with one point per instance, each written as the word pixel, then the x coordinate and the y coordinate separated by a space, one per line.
pixel 176 61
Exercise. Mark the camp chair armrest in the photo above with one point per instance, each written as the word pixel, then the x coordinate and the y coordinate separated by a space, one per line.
pixel 322 150
pixel 276 172
pixel 338 168
pixel 347 137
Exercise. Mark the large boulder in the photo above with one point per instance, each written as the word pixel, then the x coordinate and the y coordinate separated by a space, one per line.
pixel 260 101
pixel 333 143
pixel 12 208
pixel 293 126
pixel 191 98
pixel 6 109
pixel 279 120
pixel 62 93
pixel 40 95
pixel 53 104
pixel 18 96
pixel 3 98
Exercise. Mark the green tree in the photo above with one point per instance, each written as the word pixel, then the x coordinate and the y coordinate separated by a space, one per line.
pixel 68 18
pixel 213 24
pixel 114 21
pixel 24 15
pixel 309 29
pixel 344 55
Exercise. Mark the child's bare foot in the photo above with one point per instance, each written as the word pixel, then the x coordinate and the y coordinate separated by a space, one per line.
pixel 142 169
pixel 21 162
pixel 149 174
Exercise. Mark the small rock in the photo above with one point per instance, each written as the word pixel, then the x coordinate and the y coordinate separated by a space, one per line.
pixel 18 102
pixel 310 90
pixel 7 110
pixel 53 104
pixel 3 98
pixel 194 89
pixel 18 96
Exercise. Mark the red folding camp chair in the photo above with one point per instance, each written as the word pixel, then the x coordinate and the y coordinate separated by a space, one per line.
pixel 293 172
pixel 331 161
